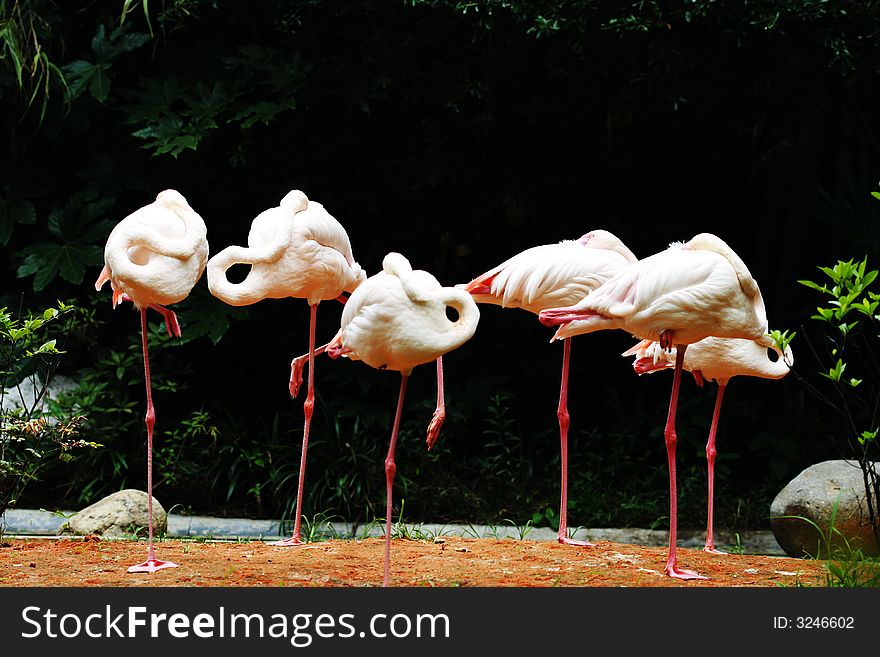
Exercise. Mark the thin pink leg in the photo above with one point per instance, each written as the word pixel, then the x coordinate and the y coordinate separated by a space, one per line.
pixel 171 324
pixel 152 564
pixel 308 409
pixel 710 459
pixel 390 471
pixel 440 411
pixel 562 414
pixel 296 369
pixel 671 439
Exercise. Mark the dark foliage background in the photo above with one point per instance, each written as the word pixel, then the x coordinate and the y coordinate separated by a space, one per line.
pixel 457 133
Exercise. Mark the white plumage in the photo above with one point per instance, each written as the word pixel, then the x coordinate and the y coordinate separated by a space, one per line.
pixel 714 359
pixel 153 257
pixel 550 276
pixel 296 249
pixel 396 320
pixel 677 297
pixel 689 292
pixel 156 254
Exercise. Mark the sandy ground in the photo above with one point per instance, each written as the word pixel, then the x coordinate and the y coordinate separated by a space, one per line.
pixel 451 561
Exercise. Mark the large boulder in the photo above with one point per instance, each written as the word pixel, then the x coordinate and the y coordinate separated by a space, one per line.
pixel 117 516
pixel 812 496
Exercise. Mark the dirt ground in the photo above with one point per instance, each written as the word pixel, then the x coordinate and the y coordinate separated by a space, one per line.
pixel 452 562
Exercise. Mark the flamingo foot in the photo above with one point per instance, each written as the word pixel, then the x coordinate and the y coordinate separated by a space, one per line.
pixel 296 374
pixel 293 541
pixel 434 427
pixel 151 566
pixel 710 549
pixel 680 573
pixel 564 540
pixel 171 324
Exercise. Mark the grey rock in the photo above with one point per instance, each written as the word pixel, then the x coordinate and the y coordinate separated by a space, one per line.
pixel 25 394
pixel 811 496
pixel 118 515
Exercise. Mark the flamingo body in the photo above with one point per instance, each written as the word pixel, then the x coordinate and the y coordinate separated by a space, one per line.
pixel 397 320
pixel 550 276
pixel 156 254
pixel 296 249
pixel 676 297
pixel 553 275
pixel 714 359
pixel 688 292
pixel 153 257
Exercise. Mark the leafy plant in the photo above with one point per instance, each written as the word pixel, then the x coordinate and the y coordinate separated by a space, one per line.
pixel 852 340
pixel 30 438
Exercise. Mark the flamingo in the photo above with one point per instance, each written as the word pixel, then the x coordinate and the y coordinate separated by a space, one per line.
pixel 295 250
pixel 153 258
pixel 714 359
pixel 396 320
pixel 550 276
pixel 676 297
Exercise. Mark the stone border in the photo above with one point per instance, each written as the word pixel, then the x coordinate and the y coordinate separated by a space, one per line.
pixel 26 522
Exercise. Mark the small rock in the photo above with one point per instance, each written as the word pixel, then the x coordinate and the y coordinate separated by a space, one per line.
pixel 812 495
pixel 439 540
pixel 462 549
pixel 116 516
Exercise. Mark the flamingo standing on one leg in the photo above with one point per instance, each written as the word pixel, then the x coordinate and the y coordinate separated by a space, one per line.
pixel 676 297
pixel 550 276
pixel 295 250
pixel 153 258
pixel 714 359
pixel 396 320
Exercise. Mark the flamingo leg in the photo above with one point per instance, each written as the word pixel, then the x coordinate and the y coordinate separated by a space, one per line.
pixel 562 414
pixel 152 564
pixel 440 411
pixel 171 324
pixel 710 460
pixel 390 471
pixel 671 439
pixel 296 369
pixel 170 317
pixel 308 409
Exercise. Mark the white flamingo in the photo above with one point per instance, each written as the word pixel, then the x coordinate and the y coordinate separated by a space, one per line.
pixel 676 297
pixel 153 258
pixel 295 250
pixel 714 359
pixel 550 276
pixel 397 320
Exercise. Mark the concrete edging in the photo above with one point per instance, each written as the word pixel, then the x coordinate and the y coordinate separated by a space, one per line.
pixel 46 523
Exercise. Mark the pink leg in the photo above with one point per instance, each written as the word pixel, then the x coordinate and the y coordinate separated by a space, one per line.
pixel 308 409
pixel 710 459
pixel 152 564
pixel 390 471
pixel 171 324
pixel 296 369
pixel 562 414
pixel 440 411
pixel 671 439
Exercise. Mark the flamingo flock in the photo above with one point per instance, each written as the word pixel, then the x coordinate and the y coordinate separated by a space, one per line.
pixel 694 306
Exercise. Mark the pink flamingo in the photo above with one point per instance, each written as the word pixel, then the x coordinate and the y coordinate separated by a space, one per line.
pixel 295 250
pixel 676 297
pixel 396 320
pixel 550 276
pixel 714 359
pixel 153 258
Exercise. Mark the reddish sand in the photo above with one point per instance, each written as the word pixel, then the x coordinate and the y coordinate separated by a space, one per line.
pixel 452 562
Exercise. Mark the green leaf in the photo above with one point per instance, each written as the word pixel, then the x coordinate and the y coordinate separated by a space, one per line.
pixel 14 212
